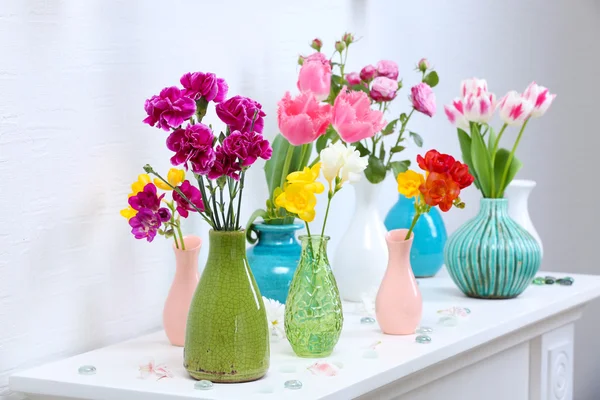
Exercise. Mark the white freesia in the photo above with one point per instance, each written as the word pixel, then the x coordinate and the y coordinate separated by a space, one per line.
pixel 345 163
pixel 275 317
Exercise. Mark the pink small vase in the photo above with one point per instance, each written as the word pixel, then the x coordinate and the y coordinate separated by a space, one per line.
pixel 398 305
pixel 182 290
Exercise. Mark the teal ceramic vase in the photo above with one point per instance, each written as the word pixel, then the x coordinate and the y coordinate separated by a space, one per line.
pixel 491 256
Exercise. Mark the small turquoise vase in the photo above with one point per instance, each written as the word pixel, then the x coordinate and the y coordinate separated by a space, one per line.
pixel 427 253
pixel 274 259
pixel 491 256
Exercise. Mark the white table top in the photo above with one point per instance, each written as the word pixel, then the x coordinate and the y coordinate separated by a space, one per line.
pixel 118 375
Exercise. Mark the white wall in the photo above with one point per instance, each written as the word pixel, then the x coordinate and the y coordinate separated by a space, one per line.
pixel 73 78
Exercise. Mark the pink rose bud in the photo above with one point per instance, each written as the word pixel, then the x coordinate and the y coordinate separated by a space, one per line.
pixel 367 73
pixel 353 119
pixel 423 65
pixel 348 38
pixel 300 60
pixel 340 46
pixel 353 78
pixel 383 89
pixel 316 44
pixel 315 76
pixel 423 99
pixel 540 97
pixel 388 69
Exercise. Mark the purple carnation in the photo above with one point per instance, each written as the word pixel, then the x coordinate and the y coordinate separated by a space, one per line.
pixel 193 194
pixel 169 109
pixel 207 85
pixel 146 199
pixel 247 147
pixel 238 112
pixel 225 165
pixel 193 144
pixel 145 224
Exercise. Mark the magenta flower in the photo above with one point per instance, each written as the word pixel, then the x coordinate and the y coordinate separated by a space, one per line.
pixel 367 73
pixel 225 165
pixel 423 99
pixel 145 224
pixel 238 111
pixel 193 144
pixel 207 85
pixel 164 214
pixel 193 194
pixel 248 147
pixel 146 199
pixel 383 89
pixel 388 69
pixel 353 78
pixel 169 109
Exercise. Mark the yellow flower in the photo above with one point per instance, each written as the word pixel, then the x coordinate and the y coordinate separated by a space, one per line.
pixel 409 182
pixel 138 186
pixel 307 177
pixel 128 212
pixel 174 177
pixel 299 200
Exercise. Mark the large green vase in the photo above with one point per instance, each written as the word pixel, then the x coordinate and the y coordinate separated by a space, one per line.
pixel 491 256
pixel 313 309
pixel 227 336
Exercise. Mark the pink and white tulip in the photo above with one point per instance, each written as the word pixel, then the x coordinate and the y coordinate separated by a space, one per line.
pixel 456 114
pixel 473 85
pixel 479 105
pixel 540 97
pixel 514 108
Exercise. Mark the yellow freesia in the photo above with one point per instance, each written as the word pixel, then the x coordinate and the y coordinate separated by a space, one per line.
pixel 298 199
pixel 175 176
pixel 409 183
pixel 128 212
pixel 138 186
pixel 307 177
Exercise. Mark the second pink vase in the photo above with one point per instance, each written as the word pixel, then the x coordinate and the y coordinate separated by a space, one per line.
pixel 398 305
pixel 182 290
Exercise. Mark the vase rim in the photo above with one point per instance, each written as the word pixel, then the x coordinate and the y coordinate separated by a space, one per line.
pixel 500 200
pixel 314 237
pixel 196 243
pixel 525 183
pixel 392 236
pixel 227 233
pixel 262 227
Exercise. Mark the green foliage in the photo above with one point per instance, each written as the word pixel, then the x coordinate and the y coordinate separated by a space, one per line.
pixel 274 167
pixel 499 165
pixel 375 171
pixel 390 127
pixel 399 166
pixel 397 149
pixel 361 149
pixel 432 79
pixel 465 147
pixel 416 138
pixel 482 162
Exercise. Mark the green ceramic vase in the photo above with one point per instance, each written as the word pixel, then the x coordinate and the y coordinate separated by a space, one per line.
pixel 227 338
pixel 313 309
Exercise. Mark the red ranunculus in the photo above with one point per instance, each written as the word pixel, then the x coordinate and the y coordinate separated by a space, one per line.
pixel 440 190
pixel 460 174
pixel 434 161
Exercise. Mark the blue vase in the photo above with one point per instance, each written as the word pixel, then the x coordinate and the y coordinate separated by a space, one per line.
pixel 427 253
pixel 274 258
pixel 491 256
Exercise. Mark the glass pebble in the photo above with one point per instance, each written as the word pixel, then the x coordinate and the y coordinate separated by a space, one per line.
pixel 87 370
pixel 370 353
pixel 287 369
pixel 423 339
pixel 566 281
pixel 549 281
pixel 539 281
pixel 293 384
pixel 367 320
pixel 423 330
pixel 468 310
pixel 448 321
pixel 203 385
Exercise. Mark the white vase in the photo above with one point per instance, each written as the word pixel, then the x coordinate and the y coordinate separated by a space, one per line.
pixel 361 256
pixel 517 194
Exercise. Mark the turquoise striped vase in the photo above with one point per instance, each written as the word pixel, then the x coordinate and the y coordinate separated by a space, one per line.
pixel 491 256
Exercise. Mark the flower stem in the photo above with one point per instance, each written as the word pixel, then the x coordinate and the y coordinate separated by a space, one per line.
pixel 286 165
pixel 493 157
pixel 241 190
pixel 412 225
pixel 330 196
pixel 400 136
pixel 214 201
pixel 180 236
pixel 510 158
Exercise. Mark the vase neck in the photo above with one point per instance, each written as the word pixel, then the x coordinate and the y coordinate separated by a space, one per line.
pixel 399 248
pixel 227 244
pixel 277 235
pixel 186 261
pixel 498 207
pixel 366 193
pixel 315 246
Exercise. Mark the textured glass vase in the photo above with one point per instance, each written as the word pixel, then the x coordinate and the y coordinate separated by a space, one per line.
pixel 427 253
pixel 274 259
pixel 227 337
pixel 313 310
pixel 491 256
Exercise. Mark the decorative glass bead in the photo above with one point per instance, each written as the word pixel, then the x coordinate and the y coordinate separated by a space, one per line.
pixel 87 370
pixel 539 281
pixel 423 339
pixel 424 330
pixel 549 280
pixel 370 353
pixel 203 385
pixel 293 384
pixel 367 320
pixel 467 310
pixel 566 281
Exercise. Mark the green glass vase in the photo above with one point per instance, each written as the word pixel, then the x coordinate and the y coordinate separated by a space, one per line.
pixel 313 309
pixel 227 337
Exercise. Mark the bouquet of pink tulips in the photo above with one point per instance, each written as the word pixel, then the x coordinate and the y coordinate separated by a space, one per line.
pixel 493 167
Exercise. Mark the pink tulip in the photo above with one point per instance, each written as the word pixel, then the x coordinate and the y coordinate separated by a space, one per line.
pixel 423 99
pixel 302 119
pixel 367 73
pixel 388 69
pixel 353 78
pixel 514 108
pixel 473 85
pixel 456 115
pixel 353 118
pixel 540 97
pixel 384 89
pixel 479 106
pixel 315 76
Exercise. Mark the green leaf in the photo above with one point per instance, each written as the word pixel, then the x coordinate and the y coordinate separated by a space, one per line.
pixel 329 134
pixel 221 137
pixel 416 138
pixel 221 181
pixel 381 152
pixel 274 166
pixel 432 79
pixel 491 139
pixel 499 165
pixel 337 79
pixel 389 129
pixel 482 162
pixel 260 213
pixel 375 171
pixel 465 147
pixel 397 149
pixel 399 166
pixel 403 117
pixel 360 88
pixel 361 149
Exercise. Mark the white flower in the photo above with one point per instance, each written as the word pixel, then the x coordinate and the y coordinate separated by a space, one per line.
pixel 275 317
pixel 345 163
